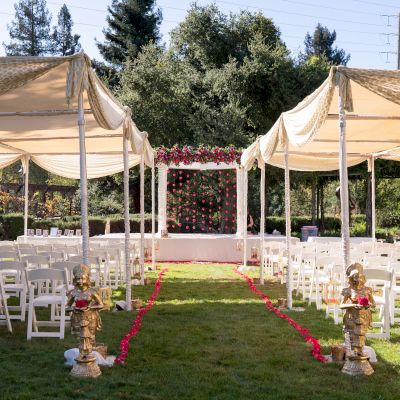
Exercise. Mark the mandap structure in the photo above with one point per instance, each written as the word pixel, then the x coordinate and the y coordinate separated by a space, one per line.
pixel 352 117
pixel 56 112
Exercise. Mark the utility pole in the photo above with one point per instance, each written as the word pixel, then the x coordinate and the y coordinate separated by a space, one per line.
pixel 398 42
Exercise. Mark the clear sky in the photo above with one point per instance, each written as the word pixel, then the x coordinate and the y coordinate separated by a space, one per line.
pixel 367 29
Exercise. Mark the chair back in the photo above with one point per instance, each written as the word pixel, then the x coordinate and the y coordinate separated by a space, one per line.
pixel 26 251
pixel 9 255
pixel 46 274
pixel 36 261
pixel 54 255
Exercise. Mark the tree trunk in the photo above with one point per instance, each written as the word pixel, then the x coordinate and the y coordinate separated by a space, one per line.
pixel 322 224
pixel 314 199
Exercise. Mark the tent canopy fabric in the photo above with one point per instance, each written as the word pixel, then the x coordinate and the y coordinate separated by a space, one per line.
pixel 310 131
pixel 38 117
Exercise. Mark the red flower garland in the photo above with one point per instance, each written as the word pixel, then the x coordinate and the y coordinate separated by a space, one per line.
pixel 202 154
pixel 136 326
pixel 316 347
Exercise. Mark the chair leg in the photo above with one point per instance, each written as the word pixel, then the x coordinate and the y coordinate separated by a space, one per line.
pixel 22 300
pixel 62 320
pixel 30 317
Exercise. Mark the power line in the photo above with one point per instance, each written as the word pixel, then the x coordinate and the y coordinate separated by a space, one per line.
pixel 295 13
pixel 329 7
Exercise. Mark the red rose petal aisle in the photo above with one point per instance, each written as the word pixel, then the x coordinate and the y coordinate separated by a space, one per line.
pixel 136 326
pixel 316 347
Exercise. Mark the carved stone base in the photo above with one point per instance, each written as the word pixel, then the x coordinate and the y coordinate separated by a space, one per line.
pixel 86 367
pixel 357 365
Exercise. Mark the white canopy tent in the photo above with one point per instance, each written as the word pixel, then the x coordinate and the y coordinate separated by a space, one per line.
pixel 43 101
pixel 366 106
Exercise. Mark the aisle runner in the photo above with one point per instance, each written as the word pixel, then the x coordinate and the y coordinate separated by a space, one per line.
pixel 316 347
pixel 136 326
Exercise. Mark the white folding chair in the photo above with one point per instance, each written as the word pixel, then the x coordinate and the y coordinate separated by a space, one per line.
pixel 373 261
pixel 36 261
pixel 381 279
pixel 9 255
pixel 320 275
pixel 43 247
pixel 26 251
pixel 54 298
pixel 4 314
pixel 114 267
pixel 54 255
pixel 15 287
pixel 8 247
pixel 67 266
pixel 333 302
pixel 305 273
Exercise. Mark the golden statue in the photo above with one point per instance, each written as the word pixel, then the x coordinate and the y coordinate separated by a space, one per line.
pixel 357 299
pixel 85 304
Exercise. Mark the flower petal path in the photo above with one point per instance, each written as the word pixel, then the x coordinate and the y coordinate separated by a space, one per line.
pixel 137 323
pixel 316 347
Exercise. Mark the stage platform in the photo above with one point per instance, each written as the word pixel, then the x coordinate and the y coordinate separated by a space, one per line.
pixel 198 247
pixel 177 247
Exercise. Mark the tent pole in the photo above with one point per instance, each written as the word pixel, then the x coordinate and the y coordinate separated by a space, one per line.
pixel 344 185
pixel 153 218
pixel 128 295
pixel 373 210
pixel 288 230
pixel 25 164
pixel 83 181
pixel 262 222
pixel 142 219
pixel 239 202
pixel 162 197
pixel 245 192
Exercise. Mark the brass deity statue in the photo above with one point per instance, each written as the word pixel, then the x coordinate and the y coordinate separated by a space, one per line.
pixel 85 304
pixel 357 299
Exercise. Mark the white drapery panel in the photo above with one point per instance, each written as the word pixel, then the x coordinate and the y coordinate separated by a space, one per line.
pixel 8 159
pixel 371 99
pixel 38 108
pixel 97 165
pixel 162 197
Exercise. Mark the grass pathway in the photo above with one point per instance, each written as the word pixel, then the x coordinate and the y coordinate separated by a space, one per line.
pixel 208 337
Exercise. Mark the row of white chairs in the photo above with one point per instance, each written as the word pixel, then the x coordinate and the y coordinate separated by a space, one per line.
pixel 42 287
pixel 316 267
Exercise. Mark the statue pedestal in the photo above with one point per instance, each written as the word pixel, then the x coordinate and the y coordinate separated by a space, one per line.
pixel 357 365
pixel 86 367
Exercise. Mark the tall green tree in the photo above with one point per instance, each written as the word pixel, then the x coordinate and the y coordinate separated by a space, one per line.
pixel 64 43
pixel 131 25
pixel 30 30
pixel 320 44
pixel 208 38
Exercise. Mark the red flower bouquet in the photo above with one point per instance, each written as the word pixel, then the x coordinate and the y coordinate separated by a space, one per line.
pixel 81 304
pixel 363 301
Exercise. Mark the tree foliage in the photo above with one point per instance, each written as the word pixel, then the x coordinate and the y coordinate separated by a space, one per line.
pixel 64 43
pixel 320 44
pixel 30 30
pixel 224 80
pixel 131 25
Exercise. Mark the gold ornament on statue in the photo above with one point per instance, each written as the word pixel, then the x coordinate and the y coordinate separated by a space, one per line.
pixel 357 299
pixel 85 304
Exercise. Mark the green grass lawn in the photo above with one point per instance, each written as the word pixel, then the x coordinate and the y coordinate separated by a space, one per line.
pixel 207 337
